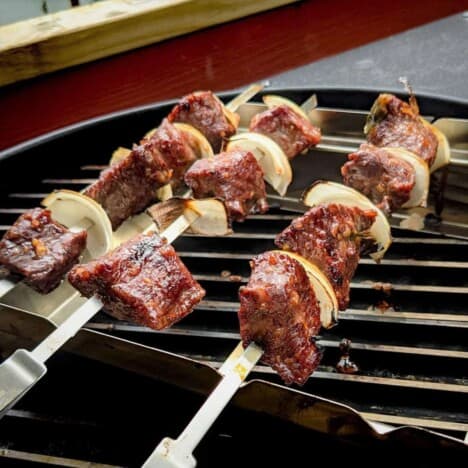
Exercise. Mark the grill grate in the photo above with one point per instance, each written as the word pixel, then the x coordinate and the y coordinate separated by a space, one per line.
pixel 412 355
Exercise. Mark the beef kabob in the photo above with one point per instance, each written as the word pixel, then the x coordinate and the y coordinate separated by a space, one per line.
pixel 291 293
pixel 235 175
pixel 393 168
pixel 142 280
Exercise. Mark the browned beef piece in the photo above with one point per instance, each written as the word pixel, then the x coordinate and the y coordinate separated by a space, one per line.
pixel 398 124
pixel 204 111
pixel 129 186
pixel 279 312
pixel 290 130
pixel 329 237
pixel 40 249
pixel 385 179
pixel 235 177
pixel 142 280
pixel 175 149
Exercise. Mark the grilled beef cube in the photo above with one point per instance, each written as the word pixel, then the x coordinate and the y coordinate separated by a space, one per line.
pixel 142 281
pixel 235 177
pixel 175 149
pixel 40 249
pixel 383 178
pixel 290 130
pixel 204 111
pixel 279 312
pixel 330 237
pixel 129 186
pixel 398 124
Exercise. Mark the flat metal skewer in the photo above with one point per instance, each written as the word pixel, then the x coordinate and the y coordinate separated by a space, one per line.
pixel 178 453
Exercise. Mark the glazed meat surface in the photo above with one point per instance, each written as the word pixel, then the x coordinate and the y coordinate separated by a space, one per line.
pixel 142 281
pixel 204 111
pixel 330 237
pixel 401 127
pixel 290 130
pixel 279 312
pixel 129 186
pixel 383 178
pixel 40 249
pixel 175 149
pixel 235 177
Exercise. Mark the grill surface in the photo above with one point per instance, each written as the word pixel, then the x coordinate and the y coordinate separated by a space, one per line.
pixel 412 356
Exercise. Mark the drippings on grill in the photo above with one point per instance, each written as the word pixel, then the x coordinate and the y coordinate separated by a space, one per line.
pixel 235 177
pixel 204 111
pixel 290 130
pixel 330 237
pixel 385 179
pixel 142 281
pixel 279 311
pixel 40 249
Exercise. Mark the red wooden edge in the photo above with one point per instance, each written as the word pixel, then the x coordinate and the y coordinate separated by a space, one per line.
pixel 217 58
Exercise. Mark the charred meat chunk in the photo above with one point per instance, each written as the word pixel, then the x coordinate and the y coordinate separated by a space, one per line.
pixel 279 312
pixel 175 149
pixel 395 123
pixel 330 237
pixel 290 130
pixel 235 177
pixel 142 281
pixel 129 186
pixel 40 249
pixel 204 111
pixel 383 178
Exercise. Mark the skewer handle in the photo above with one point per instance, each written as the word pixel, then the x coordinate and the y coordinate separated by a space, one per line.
pixel 178 453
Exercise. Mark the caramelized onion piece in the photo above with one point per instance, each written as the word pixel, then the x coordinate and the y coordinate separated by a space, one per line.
pixel 206 216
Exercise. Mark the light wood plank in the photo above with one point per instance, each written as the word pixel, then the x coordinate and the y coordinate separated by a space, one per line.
pixel 59 40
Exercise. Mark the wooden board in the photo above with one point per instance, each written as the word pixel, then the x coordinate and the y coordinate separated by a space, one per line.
pixel 59 40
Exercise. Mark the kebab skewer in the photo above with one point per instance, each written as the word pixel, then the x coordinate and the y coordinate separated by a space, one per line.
pixel 143 279
pixel 393 168
pixel 285 302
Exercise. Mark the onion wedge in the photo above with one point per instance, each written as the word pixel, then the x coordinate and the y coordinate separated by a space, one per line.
pixel 118 155
pixel 331 192
pixel 322 288
pixel 203 147
pixel 271 158
pixel 420 191
pixel 443 148
pixel 73 209
pixel 272 100
pixel 207 216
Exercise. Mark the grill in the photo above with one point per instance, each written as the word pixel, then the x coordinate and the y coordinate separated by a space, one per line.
pixel 407 320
